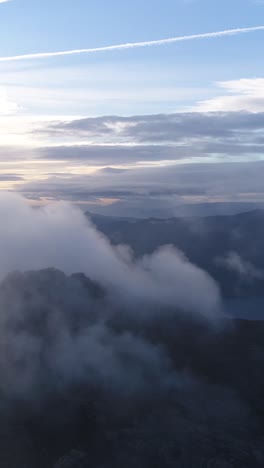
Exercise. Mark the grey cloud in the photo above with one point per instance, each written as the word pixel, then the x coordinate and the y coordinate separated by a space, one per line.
pixel 224 179
pixel 162 127
pixel 240 266
pixel 98 155
pixel 157 137
pixel 15 153
pixel 116 154
pixel 155 191
pixel 129 140
pixel 10 177
pixel 106 371
pixel 75 340
pixel 53 326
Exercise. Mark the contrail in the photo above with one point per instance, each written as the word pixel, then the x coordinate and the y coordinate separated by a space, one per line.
pixel 131 45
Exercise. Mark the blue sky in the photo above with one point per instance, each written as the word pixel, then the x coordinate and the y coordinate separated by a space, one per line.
pixel 27 25
pixel 45 102
pixel 182 74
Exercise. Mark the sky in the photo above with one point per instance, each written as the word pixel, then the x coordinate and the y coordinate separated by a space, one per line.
pixel 142 128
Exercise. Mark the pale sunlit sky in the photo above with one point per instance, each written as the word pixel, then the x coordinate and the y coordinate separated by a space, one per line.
pixel 155 124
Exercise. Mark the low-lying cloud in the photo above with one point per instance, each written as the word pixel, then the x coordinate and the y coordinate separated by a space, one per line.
pixel 242 267
pixel 60 236
pixel 59 330
pixel 113 363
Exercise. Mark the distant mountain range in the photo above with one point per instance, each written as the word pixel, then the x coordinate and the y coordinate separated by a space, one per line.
pixel 119 209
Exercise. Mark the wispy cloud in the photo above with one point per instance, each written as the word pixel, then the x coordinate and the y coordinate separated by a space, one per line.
pixel 4 1
pixel 132 45
pixel 7 106
pixel 240 95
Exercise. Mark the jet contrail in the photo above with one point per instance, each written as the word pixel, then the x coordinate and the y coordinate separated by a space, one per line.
pixel 131 45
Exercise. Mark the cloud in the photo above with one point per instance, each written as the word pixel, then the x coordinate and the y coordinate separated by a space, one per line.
pixel 10 177
pixel 243 95
pixel 156 155
pixel 122 360
pixel 189 134
pixel 4 1
pixel 98 155
pixel 7 106
pixel 98 367
pixel 229 32
pixel 83 344
pixel 32 239
pixel 242 267
pixel 155 191
pixel 163 139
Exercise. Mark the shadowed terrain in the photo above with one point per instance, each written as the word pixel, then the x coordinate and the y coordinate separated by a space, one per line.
pixel 87 382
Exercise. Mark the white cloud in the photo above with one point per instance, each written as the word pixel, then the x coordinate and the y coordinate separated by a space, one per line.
pixel 99 89
pixel 4 1
pixel 241 95
pixel 7 106
pixel 34 239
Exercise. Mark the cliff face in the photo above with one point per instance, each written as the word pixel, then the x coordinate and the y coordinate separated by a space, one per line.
pixel 87 382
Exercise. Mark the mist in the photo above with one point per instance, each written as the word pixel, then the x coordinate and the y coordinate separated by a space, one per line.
pixel 109 359
pixel 74 308
pixel 60 236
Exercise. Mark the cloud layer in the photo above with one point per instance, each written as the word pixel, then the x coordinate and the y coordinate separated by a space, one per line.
pixel 153 191
pixel 144 162
pixel 179 128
